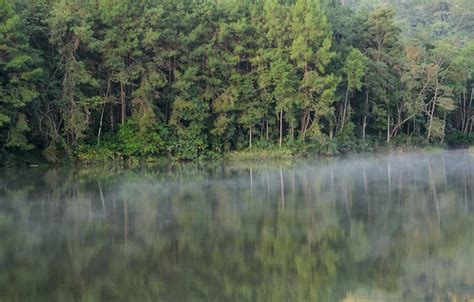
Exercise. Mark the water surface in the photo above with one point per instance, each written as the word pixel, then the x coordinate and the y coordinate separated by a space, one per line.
pixel 376 228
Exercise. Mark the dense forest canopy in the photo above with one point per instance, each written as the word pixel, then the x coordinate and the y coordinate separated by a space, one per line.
pixel 180 78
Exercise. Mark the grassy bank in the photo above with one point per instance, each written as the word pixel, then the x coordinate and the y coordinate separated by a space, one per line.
pixel 287 154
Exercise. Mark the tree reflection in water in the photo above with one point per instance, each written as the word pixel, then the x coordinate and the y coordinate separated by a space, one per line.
pixel 360 229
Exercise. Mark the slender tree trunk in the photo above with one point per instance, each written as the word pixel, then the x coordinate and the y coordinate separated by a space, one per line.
pixel 366 110
pixel 469 113
pixel 304 123
pixel 281 126
pixel 463 109
pixel 123 102
pixel 346 100
pixel 266 123
pixel 250 136
pixel 388 127
pixel 431 120
pixel 112 119
pixel 399 122
pixel 435 97
pixel 444 128
pixel 100 124
pixel 364 125
pixel 103 110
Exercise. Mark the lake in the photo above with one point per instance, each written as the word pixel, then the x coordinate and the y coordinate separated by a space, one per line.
pixel 394 227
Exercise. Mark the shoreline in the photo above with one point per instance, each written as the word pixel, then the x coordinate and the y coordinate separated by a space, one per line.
pixel 241 156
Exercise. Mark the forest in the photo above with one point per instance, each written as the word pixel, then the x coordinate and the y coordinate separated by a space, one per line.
pixel 95 80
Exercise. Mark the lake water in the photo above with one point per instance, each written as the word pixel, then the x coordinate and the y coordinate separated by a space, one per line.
pixel 375 228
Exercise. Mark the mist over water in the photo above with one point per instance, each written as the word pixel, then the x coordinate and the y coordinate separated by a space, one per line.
pixel 379 228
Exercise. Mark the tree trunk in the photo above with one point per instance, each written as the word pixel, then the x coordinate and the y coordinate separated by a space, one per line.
pixel 304 123
pixel 444 128
pixel 462 109
pixel 364 124
pixel 100 125
pixel 123 102
pixel 103 110
pixel 266 123
pixel 431 120
pixel 112 119
pixel 469 113
pixel 388 127
pixel 250 136
pixel 435 97
pixel 346 100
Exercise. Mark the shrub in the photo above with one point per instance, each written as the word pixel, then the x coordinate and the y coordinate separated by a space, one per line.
pixel 135 142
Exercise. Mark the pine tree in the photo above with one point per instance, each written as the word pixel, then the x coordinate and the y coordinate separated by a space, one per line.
pixel 311 53
pixel 19 75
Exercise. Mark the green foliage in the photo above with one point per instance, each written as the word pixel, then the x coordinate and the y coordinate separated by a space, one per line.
pixel 259 153
pixel 188 147
pixel 97 154
pixel 354 69
pixel 460 139
pixel 134 142
pixel 19 74
pixel 192 80
pixel 16 136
